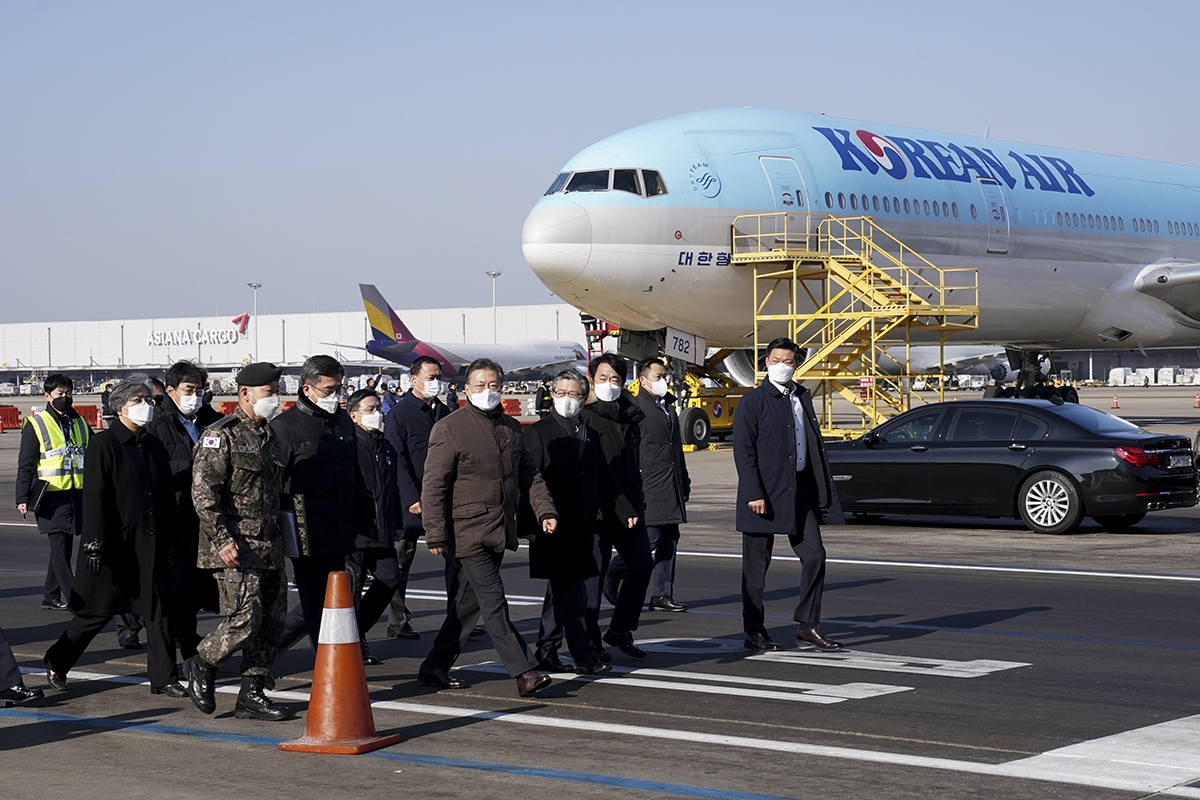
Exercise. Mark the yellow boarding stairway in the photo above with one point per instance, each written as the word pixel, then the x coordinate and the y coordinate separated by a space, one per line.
pixel 853 296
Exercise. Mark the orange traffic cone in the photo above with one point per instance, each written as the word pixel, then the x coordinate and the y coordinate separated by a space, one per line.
pixel 339 711
pixel 1198 401
pixel 1115 403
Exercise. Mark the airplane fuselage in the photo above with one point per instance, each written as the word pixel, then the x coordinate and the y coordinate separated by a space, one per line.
pixel 1073 249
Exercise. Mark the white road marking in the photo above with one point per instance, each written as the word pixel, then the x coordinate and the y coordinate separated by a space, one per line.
pixel 886 662
pixel 1077 573
pixel 513 599
pixel 819 693
pixel 1169 749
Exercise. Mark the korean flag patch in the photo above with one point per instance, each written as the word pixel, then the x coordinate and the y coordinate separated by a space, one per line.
pixel 211 442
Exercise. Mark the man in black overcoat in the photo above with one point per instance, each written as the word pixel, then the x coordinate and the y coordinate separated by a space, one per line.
pixel 129 530
pixel 783 486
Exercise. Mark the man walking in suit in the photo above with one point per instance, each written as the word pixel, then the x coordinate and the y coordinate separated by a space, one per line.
pixel 783 483
pixel 665 485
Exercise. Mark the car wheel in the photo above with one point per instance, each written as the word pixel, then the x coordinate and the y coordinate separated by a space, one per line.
pixel 1049 503
pixel 1119 522
pixel 695 427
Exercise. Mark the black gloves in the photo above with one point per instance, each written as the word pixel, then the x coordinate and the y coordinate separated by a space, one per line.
pixel 94 552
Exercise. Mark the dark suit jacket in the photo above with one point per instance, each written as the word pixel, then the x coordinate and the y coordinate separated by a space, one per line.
pixel 665 482
pixel 407 427
pixel 581 487
pixel 764 451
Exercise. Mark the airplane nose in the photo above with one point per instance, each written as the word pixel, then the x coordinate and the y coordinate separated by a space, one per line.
pixel 557 242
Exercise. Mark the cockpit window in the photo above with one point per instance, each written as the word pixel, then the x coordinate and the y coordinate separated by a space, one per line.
pixel 558 183
pixel 653 182
pixel 626 180
pixel 596 181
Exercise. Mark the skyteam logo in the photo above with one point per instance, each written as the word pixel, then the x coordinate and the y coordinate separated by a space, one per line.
pixel 885 153
pixel 704 180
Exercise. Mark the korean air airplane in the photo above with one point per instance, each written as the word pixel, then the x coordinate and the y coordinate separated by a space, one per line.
pixel 1074 250
pixel 391 339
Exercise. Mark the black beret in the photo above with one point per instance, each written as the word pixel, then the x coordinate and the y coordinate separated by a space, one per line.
pixel 259 374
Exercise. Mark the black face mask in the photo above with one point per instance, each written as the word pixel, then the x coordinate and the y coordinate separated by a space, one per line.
pixel 61 404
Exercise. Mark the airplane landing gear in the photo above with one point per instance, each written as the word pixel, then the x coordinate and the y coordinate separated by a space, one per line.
pixel 1033 368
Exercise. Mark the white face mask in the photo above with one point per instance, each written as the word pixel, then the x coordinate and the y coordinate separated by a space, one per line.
pixel 372 421
pixel 485 400
pixel 328 404
pixel 266 408
pixel 780 373
pixel 567 406
pixel 189 404
pixel 607 392
pixel 659 387
pixel 141 413
pixel 432 388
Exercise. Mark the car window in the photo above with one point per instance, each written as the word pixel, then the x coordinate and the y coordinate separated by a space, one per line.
pixel 1092 420
pixel 919 427
pixel 1030 429
pixel 983 425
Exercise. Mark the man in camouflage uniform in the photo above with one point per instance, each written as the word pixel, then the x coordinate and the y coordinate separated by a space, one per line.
pixel 235 487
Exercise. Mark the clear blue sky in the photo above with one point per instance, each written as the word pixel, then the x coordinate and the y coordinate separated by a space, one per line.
pixel 154 157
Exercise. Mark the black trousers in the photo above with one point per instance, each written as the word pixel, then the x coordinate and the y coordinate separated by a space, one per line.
pixel 633 548
pixel 160 661
pixel 311 574
pixel 663 541
pixel 59 576
pixel 756 558
pixel 406 551
pixel 475 589
pixel 382 563
pixel 193 589
pixel 10 674
pixel 565 610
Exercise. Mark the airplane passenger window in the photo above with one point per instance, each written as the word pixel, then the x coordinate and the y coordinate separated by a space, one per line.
pixel 854 202
pixel 1121 223
pixel 864 203
pixel 841 200
pixel 594 181
pixel 828 200
pixel 1074 219
pixel 1105 222
pixel 936 212
pixel 974 213
pixel 945 210
pixel 653 182
pixel 558 183
pixel 896 204
pixel 875 202
pixel 887 206
pixel 954 208
pixel 1190 229
pixel 626 180
pixel 906 209
pixel 1156 226
pixel 1058 216
pixel 925 203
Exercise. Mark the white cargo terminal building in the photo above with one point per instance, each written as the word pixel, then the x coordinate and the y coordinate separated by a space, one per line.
pixel 109 348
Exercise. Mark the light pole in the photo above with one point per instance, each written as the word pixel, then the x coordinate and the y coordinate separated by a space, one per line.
pixel 493 274
pixel 255 285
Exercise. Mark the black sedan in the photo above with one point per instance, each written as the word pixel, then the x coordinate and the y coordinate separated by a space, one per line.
pixel 1047 462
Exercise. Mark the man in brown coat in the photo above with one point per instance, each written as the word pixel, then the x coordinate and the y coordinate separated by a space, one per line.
pixel 475 472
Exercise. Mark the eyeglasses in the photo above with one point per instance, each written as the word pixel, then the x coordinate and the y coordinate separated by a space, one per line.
pixel 572 395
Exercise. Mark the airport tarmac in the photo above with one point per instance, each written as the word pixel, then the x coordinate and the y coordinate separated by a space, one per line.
pixel 979 658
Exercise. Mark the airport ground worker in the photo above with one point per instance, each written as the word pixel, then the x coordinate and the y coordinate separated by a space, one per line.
pixel 235 489
pixel 50 482
pixel 475 473
pixel 783 486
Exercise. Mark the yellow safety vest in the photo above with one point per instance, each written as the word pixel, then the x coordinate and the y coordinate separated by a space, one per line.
pixel 61 464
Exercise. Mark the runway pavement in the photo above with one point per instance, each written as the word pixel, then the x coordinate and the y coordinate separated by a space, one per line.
pixel 980 658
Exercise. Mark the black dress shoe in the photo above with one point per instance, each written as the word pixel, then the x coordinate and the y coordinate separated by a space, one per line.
pixel 405 631
pixel 623 641
pixel 432 676
pixel 477 631
pixel 19 695
pixel 811 635
pixel 593 667
pixel 57 680
pixel 552 663
pixel 664 602
pixel 601 653
pixel 131 643
pixel 57 604
pixel 531 682
pixel 761 643
pixel 367 656
pixel 201 683
pixel 174 689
